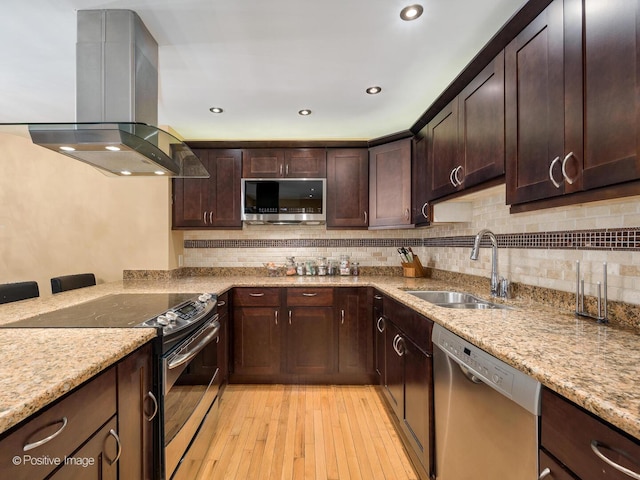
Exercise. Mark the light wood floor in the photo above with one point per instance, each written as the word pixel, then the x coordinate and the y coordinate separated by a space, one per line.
pixel 298 432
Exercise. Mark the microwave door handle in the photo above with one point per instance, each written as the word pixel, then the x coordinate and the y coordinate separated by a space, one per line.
pixel 210 332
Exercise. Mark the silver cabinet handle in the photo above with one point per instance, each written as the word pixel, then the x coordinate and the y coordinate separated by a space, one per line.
pixel 281 169
pixel 289 317
pixel 544 473
pixel 309 294
pixel 221 303
pixel 113 433
pixel 31 446
pixel 204 218
pixel 342 316
pixel 211 217
pixel 396 345
pixel 630 473
pixel 378 297
pixel 365 218
pixel 406 214
pixel 379 326
pixel 564 169
pixel 453 182
pixel 276 317
pixel 423 210
pixel 455 175
pixel 553 180
pixel 155 405
pixel 256 294
pixel 286 170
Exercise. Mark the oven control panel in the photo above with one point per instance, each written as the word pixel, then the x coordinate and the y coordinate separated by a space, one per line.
pixel 184 314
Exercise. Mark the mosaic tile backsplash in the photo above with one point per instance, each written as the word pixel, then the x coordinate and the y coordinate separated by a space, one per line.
pixel 535 248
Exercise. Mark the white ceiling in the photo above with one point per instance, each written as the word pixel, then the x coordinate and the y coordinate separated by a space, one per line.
pixel 260 60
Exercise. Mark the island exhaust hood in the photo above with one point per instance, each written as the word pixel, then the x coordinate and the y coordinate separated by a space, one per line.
pixel 117 103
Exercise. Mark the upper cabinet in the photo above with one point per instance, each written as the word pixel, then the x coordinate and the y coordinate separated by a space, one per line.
pixel 347 188
pixel 465 141
pixel 390 184
pixel 290 162
pixel 572 106
pixel 213 202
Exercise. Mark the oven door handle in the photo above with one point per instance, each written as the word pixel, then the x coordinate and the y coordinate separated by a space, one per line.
pixel 187 353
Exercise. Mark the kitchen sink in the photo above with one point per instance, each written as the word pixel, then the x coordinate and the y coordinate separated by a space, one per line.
pixel 455 300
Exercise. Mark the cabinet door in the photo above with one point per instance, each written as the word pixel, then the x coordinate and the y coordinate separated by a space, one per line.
pixel 394 369
pixel 262 163
pixel 355 340
pixel 534 91
pixel 310 340
pixel 100 455
pixel 305 163
pixel 420 208
pixel 191 197
pixel 223 343
pixel 379 323
pixel 137 414
pixel 390 184
pixel 612 83
pixel 213 202
pixel 347 188
pixel 256 340
pixel 418 400
pixel 481 126
pixel 443 151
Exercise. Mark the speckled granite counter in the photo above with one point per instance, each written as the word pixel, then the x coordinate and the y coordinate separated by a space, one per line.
pixel 595 366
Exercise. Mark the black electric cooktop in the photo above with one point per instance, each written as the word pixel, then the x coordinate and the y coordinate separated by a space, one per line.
pixel 116 311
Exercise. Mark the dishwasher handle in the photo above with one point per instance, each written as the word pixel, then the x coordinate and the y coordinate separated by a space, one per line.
pixel 472 377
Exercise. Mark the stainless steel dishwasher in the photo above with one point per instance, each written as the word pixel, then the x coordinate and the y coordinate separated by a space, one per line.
pixel 486 414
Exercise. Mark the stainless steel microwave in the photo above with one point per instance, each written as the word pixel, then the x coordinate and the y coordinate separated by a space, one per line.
pixel 284 200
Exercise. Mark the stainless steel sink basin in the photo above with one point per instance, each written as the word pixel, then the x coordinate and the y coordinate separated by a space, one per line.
pixel 455 300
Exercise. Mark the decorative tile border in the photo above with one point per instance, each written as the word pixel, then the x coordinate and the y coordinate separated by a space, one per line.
pixel 615 239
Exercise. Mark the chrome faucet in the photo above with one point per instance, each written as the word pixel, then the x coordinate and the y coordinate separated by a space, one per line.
pixel 496 291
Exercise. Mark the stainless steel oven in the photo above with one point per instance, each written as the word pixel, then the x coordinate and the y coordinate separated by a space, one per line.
pixel 190 380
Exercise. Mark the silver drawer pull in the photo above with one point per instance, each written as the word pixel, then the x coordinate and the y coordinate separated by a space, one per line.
pixel 380 324
pixel 378 297
pixel 553 180
pixel 544 473
pixel 594 446
pixel 309 294
pixel 113 433
pixel 31 446
pixel 155 405
pixel 221 303
pixel 256 294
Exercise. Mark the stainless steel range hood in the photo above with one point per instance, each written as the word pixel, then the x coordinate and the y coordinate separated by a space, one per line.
pixel 117 103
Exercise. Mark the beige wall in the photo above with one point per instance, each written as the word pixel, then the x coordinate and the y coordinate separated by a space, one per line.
pixel 60 216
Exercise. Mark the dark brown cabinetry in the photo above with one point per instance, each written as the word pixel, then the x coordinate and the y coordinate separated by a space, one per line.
pixel 347 188
pixel 379 337
pixel 390 184
pixel 256 331
pixel 137 415
pixel 310 340
pixel 570 437
pixel 290 162
pixel 465 141
pixel 355 335
pixel 223 339
pixel 572 104
pixel 213 202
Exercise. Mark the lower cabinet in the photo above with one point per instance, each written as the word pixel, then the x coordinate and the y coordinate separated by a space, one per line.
pixel 379 336
pixel 407 381
pixel 302 334
pixel 101 430
pixel 573 440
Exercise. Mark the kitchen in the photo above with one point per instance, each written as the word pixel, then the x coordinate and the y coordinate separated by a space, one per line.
pixel 142 208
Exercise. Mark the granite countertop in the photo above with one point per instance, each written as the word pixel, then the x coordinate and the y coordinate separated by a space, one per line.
pixel 596 366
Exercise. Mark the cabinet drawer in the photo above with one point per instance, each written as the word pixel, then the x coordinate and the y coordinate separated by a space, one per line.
pixel 556 471
pixel 82 413
pixel 568 431
pixel 310 297
pixel 256 297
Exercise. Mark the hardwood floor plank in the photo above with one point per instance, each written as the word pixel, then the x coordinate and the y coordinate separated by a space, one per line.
pixel 298 432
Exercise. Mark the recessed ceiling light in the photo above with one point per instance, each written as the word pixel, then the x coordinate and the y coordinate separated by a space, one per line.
pixel 112 148
pixel 67 149
pixel 304 112
pixel 411 12
pixel 125 172
pixel 159 172
pixel 216 110
pixel 373 90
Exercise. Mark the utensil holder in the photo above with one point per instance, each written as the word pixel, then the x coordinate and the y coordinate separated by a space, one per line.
pixel 413 269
